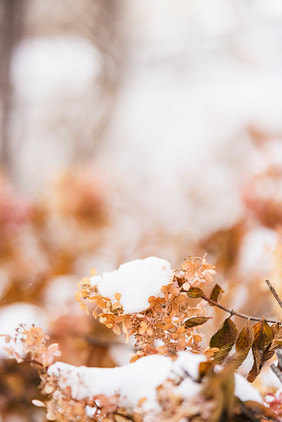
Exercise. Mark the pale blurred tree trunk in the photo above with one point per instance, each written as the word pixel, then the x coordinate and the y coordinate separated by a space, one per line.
pixel 11 21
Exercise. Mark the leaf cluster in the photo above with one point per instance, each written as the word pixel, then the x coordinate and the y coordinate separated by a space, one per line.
pixel 262 338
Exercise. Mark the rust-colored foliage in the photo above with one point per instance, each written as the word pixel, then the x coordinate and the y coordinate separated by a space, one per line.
pixel 172 319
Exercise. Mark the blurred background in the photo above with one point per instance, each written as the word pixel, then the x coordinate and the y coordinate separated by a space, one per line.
pixel 130 129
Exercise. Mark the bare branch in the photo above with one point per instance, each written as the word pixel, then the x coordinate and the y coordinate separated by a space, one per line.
pixel 276 371
pixel 273 291
pixel 239 314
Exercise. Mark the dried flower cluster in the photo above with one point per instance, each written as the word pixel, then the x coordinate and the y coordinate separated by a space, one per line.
pixel 33 345
pixel 166 326
pixel 215 402
pixel 62 407
pixel 170 318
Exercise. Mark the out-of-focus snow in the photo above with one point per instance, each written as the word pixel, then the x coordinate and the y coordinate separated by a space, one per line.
pixel 194 77
pixel 59 294
pixel 120 353
pixel 200 76
pixel 256 252
pixel 132 381
pixel 136 281
pixel 245 391
pixel 268 379
pixel 11 316
pixel 140 379
pixel 46 67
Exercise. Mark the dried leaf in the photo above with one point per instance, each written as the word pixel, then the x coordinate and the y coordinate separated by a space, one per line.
pixel 243 345
pixel 224 339
pixel 195 321
pixel 195 292
pixel 256 365
pixel 216 293
pixel 263 334
pixel 260 357
pixel 277 339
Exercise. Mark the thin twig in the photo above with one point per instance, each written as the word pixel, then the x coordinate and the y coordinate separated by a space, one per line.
pixel 274 292
pixel 276 371
pixel 232 312
pixel 279 357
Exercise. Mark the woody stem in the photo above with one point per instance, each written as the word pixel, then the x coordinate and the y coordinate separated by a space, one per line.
pixel 273 291
pixel 239 314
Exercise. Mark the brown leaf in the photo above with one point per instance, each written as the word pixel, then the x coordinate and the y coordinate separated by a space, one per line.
pixel 195 292
pixel 277 339
pixel 225 335
pixel 195 321
pixel 224 339
pixel 260 357
pixel 216 293
pixel 257 355
pixel 243 345
pixel 263 334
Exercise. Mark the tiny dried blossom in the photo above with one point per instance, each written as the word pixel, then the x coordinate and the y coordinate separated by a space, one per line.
pixel 50 354
pixel 196 270
pixel 34 341
pixel 34 346
pixel 165 317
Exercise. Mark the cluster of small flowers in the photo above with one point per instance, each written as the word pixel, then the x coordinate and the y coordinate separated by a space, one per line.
pixel 62 407
pixel 34 348
pixel 161 328
pixel 274 402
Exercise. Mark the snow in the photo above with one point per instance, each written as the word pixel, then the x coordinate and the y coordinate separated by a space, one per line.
pixel 140 379
pixel 132 381
pixel 120 352
pixel 136 281
pixel 59 294
pixel 11 316
pixel 244 391
pixel 189 362
pixel 256 252
pixel 46 67
pixel 268 378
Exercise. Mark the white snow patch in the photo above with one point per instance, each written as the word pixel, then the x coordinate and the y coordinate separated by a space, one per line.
pixel 132 381
pixel 140 379
pixel 244 391
pixel 268 379
pixel 45 67
pixel 136 281
pixel 120 353
pixel 59 294
pixel 256 252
